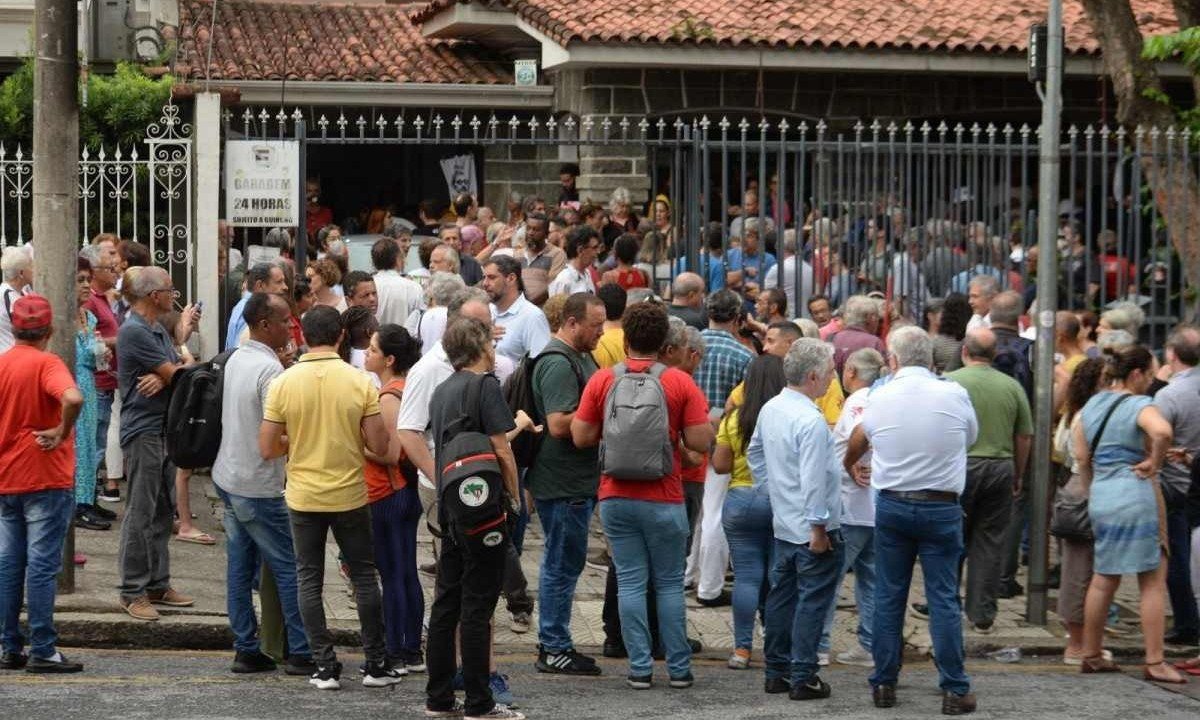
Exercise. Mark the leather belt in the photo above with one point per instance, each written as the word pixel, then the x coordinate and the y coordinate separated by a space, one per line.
pixel 921 495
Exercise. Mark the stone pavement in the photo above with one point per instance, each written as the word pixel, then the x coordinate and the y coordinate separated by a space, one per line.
pixel 92 615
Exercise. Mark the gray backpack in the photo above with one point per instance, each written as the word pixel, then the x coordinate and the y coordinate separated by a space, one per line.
pixel 636 442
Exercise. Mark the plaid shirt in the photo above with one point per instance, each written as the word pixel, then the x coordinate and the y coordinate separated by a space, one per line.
pixel 724 366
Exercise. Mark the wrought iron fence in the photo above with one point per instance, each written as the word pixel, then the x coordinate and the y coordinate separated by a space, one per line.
pixel 141 193
pixel 911 210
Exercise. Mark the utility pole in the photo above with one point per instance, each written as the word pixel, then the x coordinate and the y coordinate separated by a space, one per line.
pixel 55 183
pixel 1047 304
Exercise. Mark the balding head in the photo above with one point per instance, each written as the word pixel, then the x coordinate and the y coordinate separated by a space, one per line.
pixel 979 346
pixel 1066 326
pixel 688 289
pixel 1006 309
pixel 1183 347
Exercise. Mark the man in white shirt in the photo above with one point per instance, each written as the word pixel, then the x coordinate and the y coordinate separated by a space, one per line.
pixel 526 330
pixel 860 372
pixel 583 245
pixel 980 292
pixel 397 295
pixel 17 266
pixel 428 323
pixel 918 428
pixel 799 305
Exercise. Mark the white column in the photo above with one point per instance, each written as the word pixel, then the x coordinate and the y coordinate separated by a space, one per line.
pixel 206 130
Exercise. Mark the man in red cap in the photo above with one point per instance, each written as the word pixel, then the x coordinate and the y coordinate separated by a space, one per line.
pixel 37 479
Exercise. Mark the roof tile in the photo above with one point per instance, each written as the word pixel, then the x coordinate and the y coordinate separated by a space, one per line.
pixel 257 40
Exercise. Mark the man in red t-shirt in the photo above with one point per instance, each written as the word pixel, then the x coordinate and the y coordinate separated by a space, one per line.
pixel 38 407
pixel 645 520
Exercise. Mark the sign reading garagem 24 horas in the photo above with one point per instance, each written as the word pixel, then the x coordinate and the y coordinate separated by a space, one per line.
pixel 262 182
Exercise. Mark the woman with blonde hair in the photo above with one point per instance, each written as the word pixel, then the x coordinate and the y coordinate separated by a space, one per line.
pixel 323 276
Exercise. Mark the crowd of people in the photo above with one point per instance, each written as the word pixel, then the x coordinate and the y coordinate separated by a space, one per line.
pixel 746 415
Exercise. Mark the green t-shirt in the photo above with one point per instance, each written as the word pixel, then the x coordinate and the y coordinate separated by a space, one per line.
pixel 562 470
pixel 1000 406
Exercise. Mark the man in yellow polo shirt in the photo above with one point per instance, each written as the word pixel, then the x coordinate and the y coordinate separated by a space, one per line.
pixel 779 338
pixel 319 413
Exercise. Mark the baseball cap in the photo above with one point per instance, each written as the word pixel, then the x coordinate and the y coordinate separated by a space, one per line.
pixel 31 312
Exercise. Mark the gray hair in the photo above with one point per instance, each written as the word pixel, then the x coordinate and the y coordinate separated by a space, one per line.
pixel 868 364
pixel 676 332
pixel 808 328
pixel 638 295
pixel 1115 339
pixel 750 225
pixel 805 356
pixel 823 229
pixel 695 341
pixel 146 281
pixel 91 253
pixel 1124 316
pixel 1006 308
pixel 451 256
pixel 620 196
pixel 15 261
pixel 789 240
pixel 857 309
pixel 277 238
pixel 911 346
pixel 464 296
pixel 443 286
pixel 987 284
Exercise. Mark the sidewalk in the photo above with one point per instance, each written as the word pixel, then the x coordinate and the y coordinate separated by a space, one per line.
pixel 92 616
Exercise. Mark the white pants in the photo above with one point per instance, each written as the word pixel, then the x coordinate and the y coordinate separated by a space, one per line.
pixel 114 459
pixel 714 550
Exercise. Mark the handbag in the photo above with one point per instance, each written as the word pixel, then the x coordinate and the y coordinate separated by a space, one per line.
pixel 1069 516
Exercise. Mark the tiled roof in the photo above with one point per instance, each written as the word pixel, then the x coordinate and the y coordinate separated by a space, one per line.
pixel 257 40
pixel 954 25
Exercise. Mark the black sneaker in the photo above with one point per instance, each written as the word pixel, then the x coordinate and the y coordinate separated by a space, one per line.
pixel 102 512
pixel 299 665
pixel 723 599
pixel 776 686
pixel 13 661
pixel 1010 589
pixel 382 674
pixel 328 677
pixel 413 660
pixel 86 520
pixel 683 681
pixel 61 665
pixel 814 689
pixel 252 662
pixel 109 495
pixel 884 696
pixel 565 663
pixel 640 682
pixel 614 649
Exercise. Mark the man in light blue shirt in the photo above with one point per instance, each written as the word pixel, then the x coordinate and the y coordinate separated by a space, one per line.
pixel 263 277
pixel 526 330
pixel 792 451
pixel 918 428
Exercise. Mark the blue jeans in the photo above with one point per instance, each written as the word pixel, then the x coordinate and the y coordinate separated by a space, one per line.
pixel 259 529
pixel 394 534
pixel 746 518
pixel 648 540
pixel 32 529
pixel 104 403
pixel 860 555
pixel 565 528
pixel 803 588
pixel 904 531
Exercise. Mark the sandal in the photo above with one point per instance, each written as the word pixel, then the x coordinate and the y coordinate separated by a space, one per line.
pixel 1186 665
pixel 1098 664
pixel 201 538
pixel 1146 674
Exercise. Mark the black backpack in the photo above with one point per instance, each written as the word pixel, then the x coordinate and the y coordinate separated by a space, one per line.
pixel 1014 358
pixel 518 393
pixel 193 422
pixel 469 482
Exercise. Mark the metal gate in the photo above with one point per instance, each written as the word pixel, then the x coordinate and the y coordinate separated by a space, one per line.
pixel 141 193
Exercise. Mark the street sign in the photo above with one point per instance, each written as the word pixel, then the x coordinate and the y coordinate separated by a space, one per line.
pixel 261 181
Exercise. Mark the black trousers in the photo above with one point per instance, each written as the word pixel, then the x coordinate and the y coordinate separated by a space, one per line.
pixel 470 575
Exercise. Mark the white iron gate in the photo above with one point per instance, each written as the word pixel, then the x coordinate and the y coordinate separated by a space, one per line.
pixel 136 193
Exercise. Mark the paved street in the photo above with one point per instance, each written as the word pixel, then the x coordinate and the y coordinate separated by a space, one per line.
pixel 184 685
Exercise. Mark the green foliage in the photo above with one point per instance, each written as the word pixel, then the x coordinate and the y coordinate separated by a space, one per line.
pixel 119 106
pixel 1183 47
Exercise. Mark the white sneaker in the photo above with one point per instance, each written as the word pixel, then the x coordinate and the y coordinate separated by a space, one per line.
pixel 856 656
pixel 498 712
pixel 822 659
pixel 326 678
pixel 381 675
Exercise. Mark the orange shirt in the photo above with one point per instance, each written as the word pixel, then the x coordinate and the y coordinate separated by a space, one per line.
pixel 382 481
pixel 32 383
